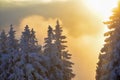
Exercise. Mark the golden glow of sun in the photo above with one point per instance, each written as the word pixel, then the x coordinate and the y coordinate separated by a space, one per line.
pixel 101 7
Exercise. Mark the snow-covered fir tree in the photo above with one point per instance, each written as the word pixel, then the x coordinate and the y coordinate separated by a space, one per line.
pixel 12 50
pixel 34 47
pixel 5 57
pixel 62 53
pixel 3 39
pixel 48 42
pixel 25 40
pixel 109 61
pixel 50 50
pixel 30 64
pixel 12 43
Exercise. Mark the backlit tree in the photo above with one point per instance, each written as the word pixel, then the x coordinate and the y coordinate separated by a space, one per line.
pixel 109 64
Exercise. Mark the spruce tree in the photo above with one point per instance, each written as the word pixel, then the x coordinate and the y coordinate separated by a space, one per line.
pixel 109 64
pixel 54 62
pixel 12 50
pixel 62 53
pixel 25 40
pixel 12 43
pixel 31 63
pixel 4 60
pixel 34 47
pixel 3 39
pixel 48 42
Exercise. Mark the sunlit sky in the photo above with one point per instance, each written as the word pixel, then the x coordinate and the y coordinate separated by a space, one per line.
pixel 82 21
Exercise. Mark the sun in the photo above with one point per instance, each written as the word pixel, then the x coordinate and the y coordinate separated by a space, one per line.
pixel 101 7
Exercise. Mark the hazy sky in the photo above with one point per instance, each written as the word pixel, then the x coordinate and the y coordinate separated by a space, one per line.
pixel 81 21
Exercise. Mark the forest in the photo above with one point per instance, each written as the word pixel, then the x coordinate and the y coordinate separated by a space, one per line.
pixel 25 59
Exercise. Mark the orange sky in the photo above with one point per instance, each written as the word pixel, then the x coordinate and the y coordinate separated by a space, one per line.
pixel 80 19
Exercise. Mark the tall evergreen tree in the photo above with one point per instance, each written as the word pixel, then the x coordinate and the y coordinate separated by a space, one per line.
pixel 34 47
pixel 3 39
pixel 30 65
pixel 9 59
pixel 25 40
pixel 12 43
pixel 12 49
pixel 62 53
pixel 48 42
pixel 4 60
pixel 109 64
pixel 50 51
pixel 58 39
